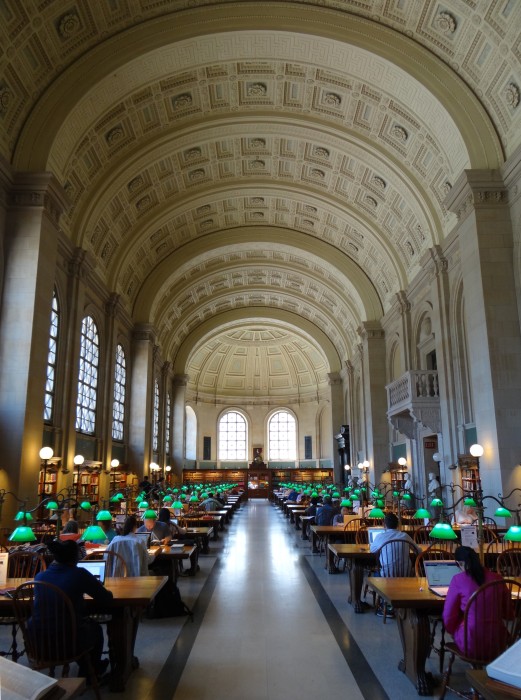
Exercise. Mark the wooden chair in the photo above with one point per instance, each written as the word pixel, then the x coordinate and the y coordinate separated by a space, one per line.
pixel 20 565
pixel 434 552
pixel 489 535
pixel 421 534
pixel 396 559
pixel 54 641
pixel 116 565
pixel 508 563
pixel 487 643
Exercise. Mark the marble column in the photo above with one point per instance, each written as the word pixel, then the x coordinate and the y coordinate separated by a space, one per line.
pixel 337 420
pixel 480 201
pixel 141 399
pixel 179 422
pixel 34 205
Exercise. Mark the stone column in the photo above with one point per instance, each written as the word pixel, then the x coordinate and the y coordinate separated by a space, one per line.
pixel 337 420
pixel 404 308
pixel 479 198
pixel 163 391
pixel 141 399
pixel 179 421
pixel 375 397
pixel 34 206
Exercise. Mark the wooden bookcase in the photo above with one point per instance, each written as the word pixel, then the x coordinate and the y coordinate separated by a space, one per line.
pixel 398 476
pixel 470 477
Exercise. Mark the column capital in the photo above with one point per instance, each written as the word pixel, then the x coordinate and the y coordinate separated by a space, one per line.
pixel 476 189
pixel 181 379
pixel 81 264
pixel 371 330
pixel 112 304
pixel 334 378
pixel 165 368
pixel 144 331
pixel 39 190
pixel 403 303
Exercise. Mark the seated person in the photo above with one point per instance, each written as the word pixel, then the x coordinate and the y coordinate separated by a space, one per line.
pixel 487 635
pixel 159 531
pixel 324 514
pixel 76 582
pixel 179 533
pixel 210 503
pixel 108 528
pixel 338 519
pixel 71 531
pixel 132 548
pixel 390 562
pixel 466 515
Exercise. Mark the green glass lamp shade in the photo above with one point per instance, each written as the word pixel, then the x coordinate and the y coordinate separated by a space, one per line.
pixel 363 488
pixel 513 534
pixel 406 496
pixel 120 497
pixel 204 495
pixel 85 505
pixel 184 488
pixel 335 494
pixel 93 532
pixel 346 503
pixel 395 494
pixel 379 503
pixel 23 515
pixel 422 513
pixel 470 502
pixel 194 499
pixel 437 503
pixel 51 505
pixel 150 515
pixel 376 513
pixel 356 492
pixel 114 499
pixel 503 512
pixel 175 490
pixel 442 531
pixel 167 499
pixel 22 534
pixel 177 505
pixel 143 505
pixel 104 515
pixel 140 497
pixel 348 489
pixel 314 494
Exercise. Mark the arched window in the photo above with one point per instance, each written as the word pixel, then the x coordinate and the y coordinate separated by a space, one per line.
pixel 155 431
pixel 88 377
pixel 120 383
pixel 282 436
pixel 50 383
pixel 167 427
pixel 232 436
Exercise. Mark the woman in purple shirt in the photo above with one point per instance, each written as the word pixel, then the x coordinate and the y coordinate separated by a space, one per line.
pixel 486 635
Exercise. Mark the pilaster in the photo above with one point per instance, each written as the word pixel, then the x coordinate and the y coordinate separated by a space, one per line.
pixel 142 386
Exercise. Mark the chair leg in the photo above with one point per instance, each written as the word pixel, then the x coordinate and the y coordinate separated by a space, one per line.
pixel 446 677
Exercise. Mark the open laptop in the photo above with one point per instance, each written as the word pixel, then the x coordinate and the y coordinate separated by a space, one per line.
pixel 146 536
pixel 96 568
pixel 374 532
pixel 439 574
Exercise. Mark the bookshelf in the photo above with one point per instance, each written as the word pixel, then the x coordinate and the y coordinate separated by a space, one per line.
pixel 470 477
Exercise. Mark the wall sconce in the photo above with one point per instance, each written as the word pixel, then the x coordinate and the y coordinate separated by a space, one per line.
pixel 78 461
pixel 46 453
pixel 402 462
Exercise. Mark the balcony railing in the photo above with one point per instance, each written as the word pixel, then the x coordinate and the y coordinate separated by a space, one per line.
pixel 411 387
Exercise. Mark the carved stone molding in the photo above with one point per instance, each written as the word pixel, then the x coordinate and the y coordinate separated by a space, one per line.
pixel 404 424
pixel 334 378
pixel 371 330
pixel 404 305
pixel 112 304
pixel 80 264
pixel 181 380
pixel 476 189
pixel 144 332
pixel 39 190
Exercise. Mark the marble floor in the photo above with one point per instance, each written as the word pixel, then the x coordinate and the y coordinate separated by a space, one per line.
pixel 269 624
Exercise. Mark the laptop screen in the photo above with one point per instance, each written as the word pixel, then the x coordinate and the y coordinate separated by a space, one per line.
pixel 146 538
pixel 440 572
pixel 374 532
pixel 96 568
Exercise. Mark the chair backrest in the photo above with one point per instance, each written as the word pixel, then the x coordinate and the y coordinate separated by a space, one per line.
pixel 489 534
pixel 508 563
pixel 25 564
pixel 116 565
pixel 396 558
pixel 433 552
pixel 354 524
pixel 492 621
pixel 421 534
pixel 47 620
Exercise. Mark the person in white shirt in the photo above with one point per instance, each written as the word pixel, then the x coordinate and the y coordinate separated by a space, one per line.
pixel 132 548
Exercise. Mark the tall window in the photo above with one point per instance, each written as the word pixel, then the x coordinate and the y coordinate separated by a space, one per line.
pixel 48 409
pixel 155 430
pixel 232 436
pixel 88 377
pixel 282 435
pixel 167 429
pixel 120 382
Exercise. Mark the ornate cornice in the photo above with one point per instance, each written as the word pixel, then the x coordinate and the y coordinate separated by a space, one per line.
pixel 144 331
pixel 181 380
pixel 39 190
pixel 474 190
pixel 334 379
pixel 80 264
pixel 404 305
pixel 371 330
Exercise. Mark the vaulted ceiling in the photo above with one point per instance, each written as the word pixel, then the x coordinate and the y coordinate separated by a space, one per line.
pixel 257 179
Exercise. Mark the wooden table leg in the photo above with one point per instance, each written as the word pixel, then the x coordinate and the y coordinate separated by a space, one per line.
pixel 356 581
pixel 414 629
pixel 122 630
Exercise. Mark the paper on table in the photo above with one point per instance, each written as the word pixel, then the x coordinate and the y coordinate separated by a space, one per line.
pixel 506 668
pixel 18 682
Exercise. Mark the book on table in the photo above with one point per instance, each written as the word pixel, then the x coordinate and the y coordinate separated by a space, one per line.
pixel 18 682
pixel 506 668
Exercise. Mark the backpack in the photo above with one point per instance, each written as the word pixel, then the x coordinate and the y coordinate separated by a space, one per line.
pixel 168 603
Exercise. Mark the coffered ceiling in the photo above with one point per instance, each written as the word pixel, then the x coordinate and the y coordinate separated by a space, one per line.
pixel 227 162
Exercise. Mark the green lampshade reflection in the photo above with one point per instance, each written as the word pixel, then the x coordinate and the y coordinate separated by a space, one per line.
pixel 23 515
pixel 143 505
pixel 442 531
pixel 85 505
pixel 513 534
pixel 470 502
pixel 51 505
pixel 376 513
pixel 93 532
pixel 104 515
pixel 22 534
pixel 422 513
pixel 437 503
pixel 503 512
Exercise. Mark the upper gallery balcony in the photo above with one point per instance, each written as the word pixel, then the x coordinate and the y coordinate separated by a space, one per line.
pixel 414 398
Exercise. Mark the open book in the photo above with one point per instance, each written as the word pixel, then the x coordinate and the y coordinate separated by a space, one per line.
pixel 506 668
pixel 18 682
